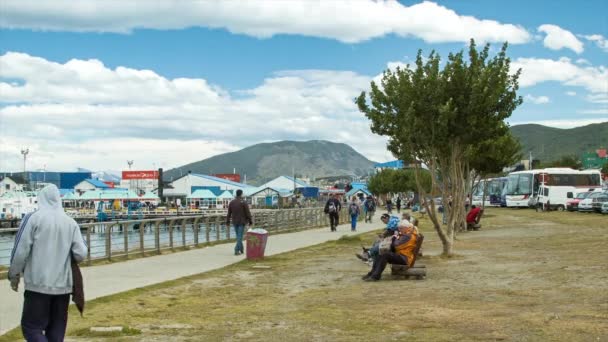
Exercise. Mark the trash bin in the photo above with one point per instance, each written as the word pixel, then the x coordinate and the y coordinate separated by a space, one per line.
pixel 256 243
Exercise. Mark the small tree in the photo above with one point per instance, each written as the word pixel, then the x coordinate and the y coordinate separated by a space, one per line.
pixel 566 161
pixel 438 116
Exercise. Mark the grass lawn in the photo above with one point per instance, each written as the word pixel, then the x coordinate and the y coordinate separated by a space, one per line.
pixel 525 276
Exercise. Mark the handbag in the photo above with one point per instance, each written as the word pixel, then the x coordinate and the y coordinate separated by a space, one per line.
pixel 385 245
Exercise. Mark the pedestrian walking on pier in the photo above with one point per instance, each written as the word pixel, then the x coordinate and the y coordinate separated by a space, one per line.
pixel 238 210
pixel 354 211
pixel 46 243
pixel 332 208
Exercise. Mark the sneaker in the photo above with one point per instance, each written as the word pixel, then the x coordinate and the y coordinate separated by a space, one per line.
pixel 370 278
pixel 365 277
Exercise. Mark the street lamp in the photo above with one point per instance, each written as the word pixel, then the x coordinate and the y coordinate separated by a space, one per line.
pixel 25 153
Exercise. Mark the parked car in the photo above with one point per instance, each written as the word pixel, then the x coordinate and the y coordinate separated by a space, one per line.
pixel 587 203
pixel 572 205
pixel 599 201
pixel 605 208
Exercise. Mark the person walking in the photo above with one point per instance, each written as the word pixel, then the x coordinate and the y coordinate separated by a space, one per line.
pixel 398 204
pixel 370 208
pixel 238 211
pixel 332 208
pixel 354 211
pixel 45 245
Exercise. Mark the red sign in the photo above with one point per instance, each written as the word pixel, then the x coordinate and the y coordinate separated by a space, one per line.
pixel 229 176
pixel 110 184
pixel 140 174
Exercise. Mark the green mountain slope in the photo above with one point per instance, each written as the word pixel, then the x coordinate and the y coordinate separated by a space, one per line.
pixel 263 162
pixel 548 143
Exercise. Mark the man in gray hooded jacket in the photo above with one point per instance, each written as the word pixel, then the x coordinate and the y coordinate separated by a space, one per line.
pixel 45 242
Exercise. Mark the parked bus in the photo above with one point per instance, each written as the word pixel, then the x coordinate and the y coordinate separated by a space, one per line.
pixel 559 185
pixel 493 188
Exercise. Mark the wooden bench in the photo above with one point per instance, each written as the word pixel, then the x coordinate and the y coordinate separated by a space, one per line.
pixel 416 271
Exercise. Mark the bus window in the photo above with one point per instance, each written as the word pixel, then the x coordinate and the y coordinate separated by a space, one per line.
pixel 569 194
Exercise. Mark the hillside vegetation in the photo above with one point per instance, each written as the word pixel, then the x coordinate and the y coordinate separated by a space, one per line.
pixel 549 144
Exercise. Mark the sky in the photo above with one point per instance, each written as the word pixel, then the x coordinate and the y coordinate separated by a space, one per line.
pixel 92 84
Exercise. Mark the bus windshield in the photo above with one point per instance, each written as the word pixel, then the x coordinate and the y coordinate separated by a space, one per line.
pixel 520 184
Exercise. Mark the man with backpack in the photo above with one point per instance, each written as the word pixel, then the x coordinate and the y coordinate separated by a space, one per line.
pixel 332 208
pixel 354 211
pixel 370 208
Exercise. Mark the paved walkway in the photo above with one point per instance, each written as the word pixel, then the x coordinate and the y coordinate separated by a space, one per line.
pixel 110 279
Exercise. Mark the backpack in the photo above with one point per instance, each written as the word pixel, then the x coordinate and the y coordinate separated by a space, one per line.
pixel 370 205
pixel 331 208
pixel 353 209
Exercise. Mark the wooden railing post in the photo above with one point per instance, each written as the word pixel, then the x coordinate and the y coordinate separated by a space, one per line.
pixel 157 236
pixel 207 229
pixel 108 231
pixel 89 246
pixel 195 229
pixel 184 227
pixel 142 247
pixel 217 228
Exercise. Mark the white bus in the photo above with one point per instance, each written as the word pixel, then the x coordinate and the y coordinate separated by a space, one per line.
pixel 493 188
pixel 559 185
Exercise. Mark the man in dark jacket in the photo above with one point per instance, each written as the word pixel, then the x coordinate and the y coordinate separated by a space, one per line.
pixel 332 207
pixel 239 211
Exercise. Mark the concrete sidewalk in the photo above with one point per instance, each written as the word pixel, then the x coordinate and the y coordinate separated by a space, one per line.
pixel 110 279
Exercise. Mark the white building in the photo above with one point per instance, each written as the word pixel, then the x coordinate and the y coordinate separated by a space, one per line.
pixel 186 185
pixel 285 182
pixel 10 184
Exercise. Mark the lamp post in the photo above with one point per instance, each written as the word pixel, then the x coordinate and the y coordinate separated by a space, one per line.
pixel 25 152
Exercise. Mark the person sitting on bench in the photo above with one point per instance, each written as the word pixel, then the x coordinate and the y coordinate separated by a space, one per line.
pixel 391 227
pixel 473 218
pixel 402 251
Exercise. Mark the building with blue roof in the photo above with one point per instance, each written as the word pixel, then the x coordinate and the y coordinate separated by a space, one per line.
pixel 90 184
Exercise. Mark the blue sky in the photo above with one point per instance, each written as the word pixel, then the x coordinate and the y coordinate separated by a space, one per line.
pixel 95 84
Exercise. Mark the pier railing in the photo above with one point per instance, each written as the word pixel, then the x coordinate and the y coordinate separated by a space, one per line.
pixel 143 237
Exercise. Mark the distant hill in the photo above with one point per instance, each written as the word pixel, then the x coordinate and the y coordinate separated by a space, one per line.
pixel 549 144
pixel 263 162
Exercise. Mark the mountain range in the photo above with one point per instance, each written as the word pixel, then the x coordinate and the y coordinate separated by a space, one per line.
pixel 549 144
pixel 319 158
pixel 263 162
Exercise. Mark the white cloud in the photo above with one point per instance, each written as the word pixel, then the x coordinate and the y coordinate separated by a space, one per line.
pixel 571 93
pixel 598 98
pixel 346 21
pixel 563 123
pixel 538 70
pixel 536 100
pixel 82 113
pixel 599 40
pixel 594 111
pixel 557 38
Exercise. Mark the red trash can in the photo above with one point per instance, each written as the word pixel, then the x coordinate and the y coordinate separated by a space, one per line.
pixel 256 243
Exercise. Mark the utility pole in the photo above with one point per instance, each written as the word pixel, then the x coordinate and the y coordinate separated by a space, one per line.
pixel 530 161
pixel 25 153
pixel 130 162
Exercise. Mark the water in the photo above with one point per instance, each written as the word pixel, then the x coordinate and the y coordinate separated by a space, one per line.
pixel 98 240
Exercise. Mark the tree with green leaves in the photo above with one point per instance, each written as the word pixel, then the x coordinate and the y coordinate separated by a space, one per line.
pixel 566 161
pixel 397 180
pixel 439 116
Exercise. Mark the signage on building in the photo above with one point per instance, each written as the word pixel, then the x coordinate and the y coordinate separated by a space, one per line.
pixel 229 176
pixel 150 174
pixel 109 184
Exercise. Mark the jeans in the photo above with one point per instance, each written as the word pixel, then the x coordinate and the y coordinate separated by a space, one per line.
pixel 44 316
pixel 239 229
pixel 353 222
